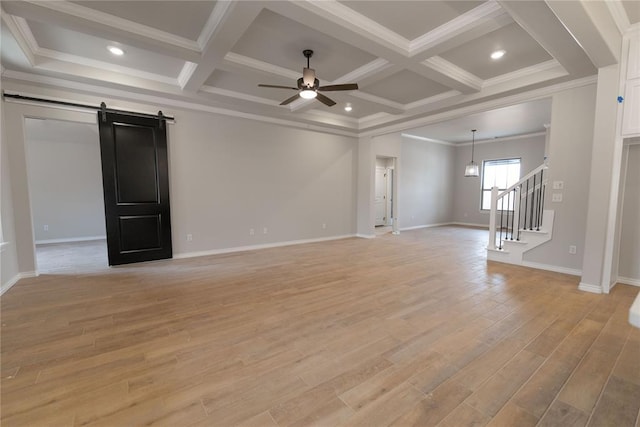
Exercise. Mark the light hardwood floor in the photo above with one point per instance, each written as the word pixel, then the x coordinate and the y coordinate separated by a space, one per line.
pixel 415 329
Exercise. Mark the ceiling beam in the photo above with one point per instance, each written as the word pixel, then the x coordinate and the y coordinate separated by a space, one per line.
pixel 592 25
pixel 537 19
pixel 230 21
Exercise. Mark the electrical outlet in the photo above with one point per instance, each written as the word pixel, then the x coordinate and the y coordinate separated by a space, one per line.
pixel 189 237
pixel 557 197
pixel 264 230
pixel 573 249
pixel 252 232
pixel 558 185
pixel 324 226
pixel 46 227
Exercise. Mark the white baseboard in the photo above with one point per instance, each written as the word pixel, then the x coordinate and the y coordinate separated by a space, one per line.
pixel 554 268
pixel 257 247
pixel 6 286
pixel 366 236
pixel 469 224
pixel 70 240
pixel 416 227
pixel 628 281
pixel 590 288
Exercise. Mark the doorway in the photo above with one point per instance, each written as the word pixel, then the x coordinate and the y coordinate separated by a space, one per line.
pixel 384 192
pixel 65 188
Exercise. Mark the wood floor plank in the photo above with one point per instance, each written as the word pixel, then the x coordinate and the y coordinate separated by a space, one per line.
pixel 465 416
pixel 562 414
pixel 619 404
pixel 494 393
pixel 414 329
pixel 585 385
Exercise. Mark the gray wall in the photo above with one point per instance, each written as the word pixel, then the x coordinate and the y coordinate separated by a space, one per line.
pixel 8 251
pixel 629 261
pixel 466 205
pixel 230 175
pixel 570 144
pixel 65 180
pixel 426 192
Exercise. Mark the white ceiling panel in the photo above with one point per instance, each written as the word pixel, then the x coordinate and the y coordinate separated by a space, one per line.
pixel 393 14
pixel 94 48
pixel 521 51
pixel 182 18
pixel 529 117
pixel 280 41
pixel 405 87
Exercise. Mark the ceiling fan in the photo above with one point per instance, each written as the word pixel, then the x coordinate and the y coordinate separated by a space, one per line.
pixel 309 86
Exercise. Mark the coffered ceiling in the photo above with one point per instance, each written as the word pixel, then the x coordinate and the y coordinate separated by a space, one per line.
pixel 412 60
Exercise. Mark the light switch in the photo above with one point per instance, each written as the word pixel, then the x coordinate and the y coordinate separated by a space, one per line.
pixel 558 185
pixel 557 197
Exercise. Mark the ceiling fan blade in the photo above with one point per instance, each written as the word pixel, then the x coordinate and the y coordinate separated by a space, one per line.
pixel 278 87
pixel 346 86
pixel 325 100
pixel 290 100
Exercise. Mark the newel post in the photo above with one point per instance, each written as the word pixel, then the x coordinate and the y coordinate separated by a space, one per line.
pixel 492 218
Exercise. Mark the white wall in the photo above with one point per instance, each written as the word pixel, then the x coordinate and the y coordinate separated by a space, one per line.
pixel 466 205
pixel 629 261
pixel 426 193
pixel 65 180
pixel 570 143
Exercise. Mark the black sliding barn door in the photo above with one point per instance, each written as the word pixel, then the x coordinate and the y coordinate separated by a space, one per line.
pixel 135 176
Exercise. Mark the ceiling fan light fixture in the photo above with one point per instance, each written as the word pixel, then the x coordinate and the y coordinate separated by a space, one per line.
pixel 308 94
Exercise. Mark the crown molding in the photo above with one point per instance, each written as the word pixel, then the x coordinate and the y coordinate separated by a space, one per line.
pixel 482 106
pixel 504 138
pixel 218 13
pixel 422 138
pixel 154 100
pixel 117 23
pixel 459 25
pixel 533 70
pixel 619 15
pixel 100 65
pixel 22 33
pixel 358 23
pixel 185 74
pixel 452 71
pixel 261 66
pixel 238 95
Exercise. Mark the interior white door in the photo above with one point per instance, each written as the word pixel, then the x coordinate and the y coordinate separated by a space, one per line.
pixel 389 196
pixel 381 196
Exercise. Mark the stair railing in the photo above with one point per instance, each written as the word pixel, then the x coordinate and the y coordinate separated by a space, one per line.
pixel 519 207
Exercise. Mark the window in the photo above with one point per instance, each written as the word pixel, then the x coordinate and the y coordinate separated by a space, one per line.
pixel 499 173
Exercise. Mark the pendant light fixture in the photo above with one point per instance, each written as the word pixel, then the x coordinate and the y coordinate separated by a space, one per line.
pixel 472 167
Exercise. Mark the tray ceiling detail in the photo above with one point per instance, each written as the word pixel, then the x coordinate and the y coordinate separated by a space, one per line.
pixel 409 58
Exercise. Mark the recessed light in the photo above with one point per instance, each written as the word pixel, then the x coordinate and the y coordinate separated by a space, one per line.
pixel 498 54
pixel 115 50
pixel 348 108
